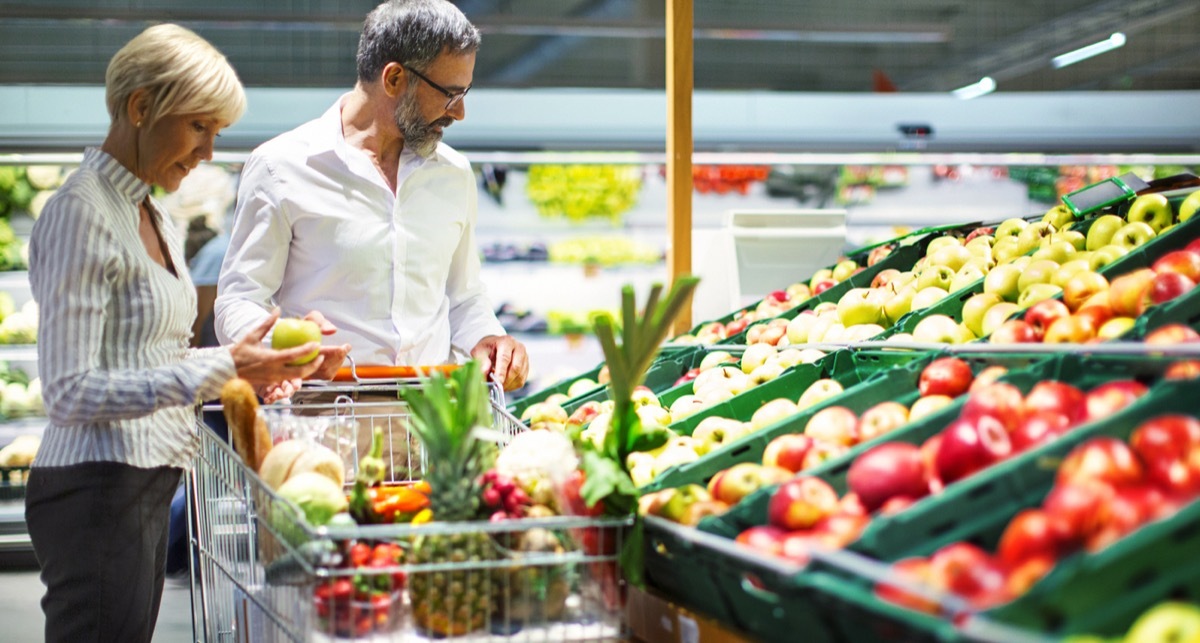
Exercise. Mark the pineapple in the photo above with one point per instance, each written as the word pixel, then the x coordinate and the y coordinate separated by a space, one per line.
pixel 445 416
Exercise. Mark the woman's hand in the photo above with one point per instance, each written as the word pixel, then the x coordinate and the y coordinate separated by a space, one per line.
pixel 266 367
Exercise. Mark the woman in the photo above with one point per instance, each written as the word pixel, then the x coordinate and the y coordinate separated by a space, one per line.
pixel 116 311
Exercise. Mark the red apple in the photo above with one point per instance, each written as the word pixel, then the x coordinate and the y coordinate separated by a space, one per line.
pixel 949 376
pixel 883 277
pixel 1169 446
pixel 970 572
pixel 823 285
pixel 732 484
pixel 1081 286
pixel 1079 509
pixel 1130 508
pixel 850 505
pixel 1166 286
pixel 1110 397
pixel 1038 428
pixel 688 376
pixel 1056 398
pixel 987 376
pixel 1031 533
pixel 1188 369
pixel 801 502
pixel 1027 573
pixel 834 425
pixel 978 232
pixel 1184 262
pixel 881 419
pixel 1016 331
pixel 914 571
pixel 767 539
pixel 1000 400
pixel 787 451
pixel 1076 329
pixel 1044 313
pixel 895 505
pixel 1105 459
pixel 886 471
pixel 1125 293
pixel 840 529
pixel 1193 245
pixel 797 546
pixel 969 445
pixel 1172 334
pixel 736 326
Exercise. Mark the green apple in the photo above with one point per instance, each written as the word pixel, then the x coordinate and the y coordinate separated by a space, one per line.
pixel 938 329
pixel 756 355
pixel 1031 237
pixel 860 306
pixel 581 386
pixel 797 329
pixel 1040 271
pixel 974 309
pixel 983 263
pixel 1006 249
pixel 967 276
pixel 1074 237
pixel 903 279
pixel 927 297
pixel 1058 216
pixel 716 358
pixel 997 315
pixel 843 270
pixel 942 242
pixel 951 256
pixel 1010 228
pixel 1105 256
pixel 1068 270
pixel 1152 209
pixel 1166 621
pixel 1037 292
pixel 290 332
pixel 1004 281
pixel 982 243
pixel 1189 206
pixel 935 277
pixel 1132 235
pixel 1057 251
pixel 899 304
pixel 1021 262
pixel 1101 232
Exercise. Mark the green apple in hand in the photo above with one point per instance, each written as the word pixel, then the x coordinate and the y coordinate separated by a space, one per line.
pixel 1166 621
pixel 1152 209
pixel 291 332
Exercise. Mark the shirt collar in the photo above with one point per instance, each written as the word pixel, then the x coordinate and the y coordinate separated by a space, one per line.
pixel 332 123
pixel 124 181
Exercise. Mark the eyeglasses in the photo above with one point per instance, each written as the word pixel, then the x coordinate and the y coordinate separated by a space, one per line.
pixel 452 98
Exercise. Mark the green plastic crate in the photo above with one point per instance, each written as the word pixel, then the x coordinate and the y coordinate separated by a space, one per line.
pixel 852 369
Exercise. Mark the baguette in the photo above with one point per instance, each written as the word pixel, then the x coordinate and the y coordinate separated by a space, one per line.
pixel 241 414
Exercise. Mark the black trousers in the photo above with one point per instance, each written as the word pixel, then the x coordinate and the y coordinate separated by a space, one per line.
pixel 99 530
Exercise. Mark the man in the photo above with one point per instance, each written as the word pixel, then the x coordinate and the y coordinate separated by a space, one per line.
pixel 365 215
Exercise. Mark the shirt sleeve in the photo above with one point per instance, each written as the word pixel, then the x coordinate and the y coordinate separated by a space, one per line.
pixel 76 265
pixel 471 314
pixel 257 256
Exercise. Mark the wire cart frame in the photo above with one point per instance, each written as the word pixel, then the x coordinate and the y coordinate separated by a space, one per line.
pixel 260 572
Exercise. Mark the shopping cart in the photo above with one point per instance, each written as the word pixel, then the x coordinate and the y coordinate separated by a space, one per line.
pixel 261 573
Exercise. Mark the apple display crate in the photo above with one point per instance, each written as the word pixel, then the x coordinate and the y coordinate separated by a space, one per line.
pixel 262 573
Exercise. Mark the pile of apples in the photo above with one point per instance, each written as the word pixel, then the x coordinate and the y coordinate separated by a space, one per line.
pixel 721 376
pixel 1092 309
pixel 806 511
pixel 1105 489
pixel 996 422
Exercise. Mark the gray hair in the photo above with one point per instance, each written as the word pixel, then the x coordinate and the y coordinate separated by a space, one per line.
pixel 413 33
pixel 183 73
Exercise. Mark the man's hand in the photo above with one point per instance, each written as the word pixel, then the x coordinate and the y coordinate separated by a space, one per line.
pixel 504 358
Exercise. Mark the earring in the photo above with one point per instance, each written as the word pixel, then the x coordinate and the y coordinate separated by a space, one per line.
pixel 137 124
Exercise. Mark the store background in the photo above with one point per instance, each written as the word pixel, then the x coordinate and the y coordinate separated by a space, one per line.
pixel 816 86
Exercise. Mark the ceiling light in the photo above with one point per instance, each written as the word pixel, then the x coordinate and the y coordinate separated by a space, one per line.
pixel 985 86
pixel 1083 53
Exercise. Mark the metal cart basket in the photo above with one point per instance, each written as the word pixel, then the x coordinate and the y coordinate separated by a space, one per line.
pixel 260 572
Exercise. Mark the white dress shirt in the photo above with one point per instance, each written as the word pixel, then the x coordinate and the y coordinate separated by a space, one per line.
pixel 317 228
pixel 118 378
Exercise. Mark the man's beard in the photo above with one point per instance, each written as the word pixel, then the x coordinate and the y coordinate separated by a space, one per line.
pixel 419 136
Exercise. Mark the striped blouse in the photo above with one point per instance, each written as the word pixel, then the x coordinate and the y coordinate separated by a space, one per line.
pixel 118 378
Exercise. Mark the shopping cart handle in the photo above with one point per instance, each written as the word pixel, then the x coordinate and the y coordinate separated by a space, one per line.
pixel 381 372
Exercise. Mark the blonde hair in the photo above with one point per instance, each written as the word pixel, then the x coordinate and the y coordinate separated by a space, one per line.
pixel 183 73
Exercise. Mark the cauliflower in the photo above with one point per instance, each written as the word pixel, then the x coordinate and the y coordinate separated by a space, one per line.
pixel 539 462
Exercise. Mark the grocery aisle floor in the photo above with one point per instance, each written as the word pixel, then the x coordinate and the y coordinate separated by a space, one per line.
pixel 21 613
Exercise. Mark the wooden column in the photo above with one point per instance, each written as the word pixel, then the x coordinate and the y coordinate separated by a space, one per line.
pixel 679 146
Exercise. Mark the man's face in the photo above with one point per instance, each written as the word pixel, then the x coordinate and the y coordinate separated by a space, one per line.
pixel 423 111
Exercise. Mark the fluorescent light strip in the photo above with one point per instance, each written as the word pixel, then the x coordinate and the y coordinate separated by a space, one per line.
pixel 985 86
pixel 1114 41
